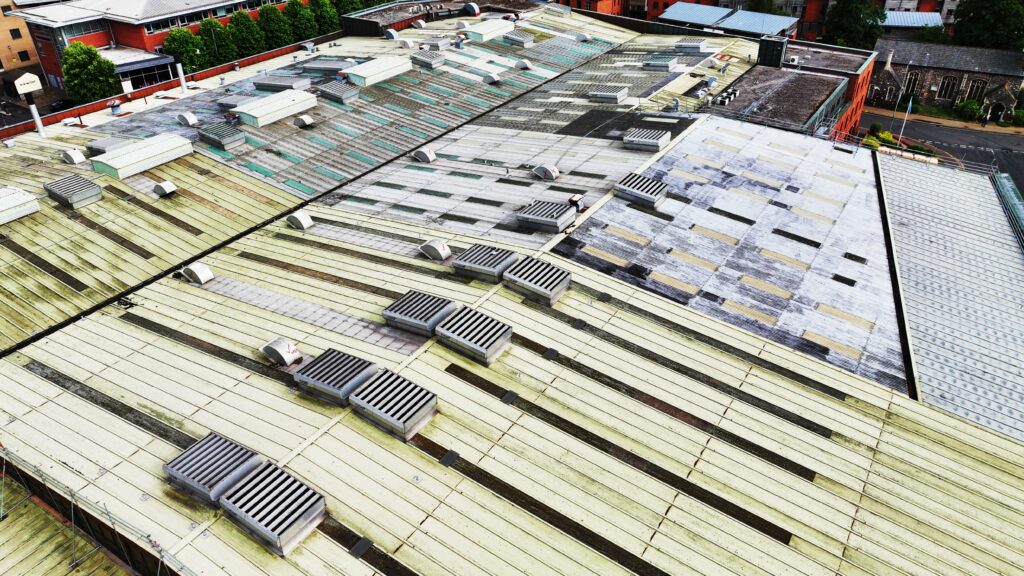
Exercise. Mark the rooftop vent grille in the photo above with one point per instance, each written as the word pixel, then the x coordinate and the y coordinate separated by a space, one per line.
pixel 222 135
pixel 418 312
pixel 519 38
pixel 280 83
pixel 538 279
pixel 395 404
pixel 546 216
pixel 73 191
pixel 428 58
pixel 642 190
pixel 275 506
pixel 334 375
pixel 339 91
pixel 660 63
pixel 608 94
pixel 211 466
pixel 646 139
pixel 484 262
pixel 475 334
pixel 104 145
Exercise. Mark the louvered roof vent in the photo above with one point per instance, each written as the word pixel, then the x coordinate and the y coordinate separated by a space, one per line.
pixel 73 191
pixel 221 135
pixel 475 334
pixel 646 139
pixel 428 58
pixel 395 404
pixel 538 280
pixel 418 312
pixel 334 375
pixel 211 466
pixel 546 216
pixel 519 38
pixel 340 92
pixel 275 506
pixel 104 145
pixel 660 63
pixel 608 94
pixel 642 190
pixel 72 156
pixel 280 83
pixel 484 262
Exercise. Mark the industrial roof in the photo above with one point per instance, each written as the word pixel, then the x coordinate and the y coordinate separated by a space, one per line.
pixel 695 13
pixel 951 57
pixel 757 22
pixel 135 11
pixel 784 95
pixel 904 19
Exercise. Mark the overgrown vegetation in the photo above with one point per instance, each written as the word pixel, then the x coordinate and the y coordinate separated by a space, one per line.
pixel 968 110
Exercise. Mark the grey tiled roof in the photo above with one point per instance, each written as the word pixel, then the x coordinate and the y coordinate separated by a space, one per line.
pixel 967 58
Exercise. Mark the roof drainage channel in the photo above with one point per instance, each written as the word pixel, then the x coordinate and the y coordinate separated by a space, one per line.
pixel 343 535
pixel 628 457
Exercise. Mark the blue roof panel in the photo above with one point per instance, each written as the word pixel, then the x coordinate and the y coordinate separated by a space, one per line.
pixel 695 13
pixel 898 19
pixel 757 22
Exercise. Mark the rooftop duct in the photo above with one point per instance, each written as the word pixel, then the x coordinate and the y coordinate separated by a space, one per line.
pixel 211 466
pixel 73 191
pixel 475 334
pixel 646 139
pixel 546 172
pixel 197 273
pixel 642 190
pixel 378 70
pixel 546 216
pixel 187 119
pixel 334 375
pixel 608 94
pixel 484 262
pixel 140 156
pixel 165 188
pixel 428 59
pixel 418 312
pixel 425 155
pixel 104 145
pixel 340 92
pixel 221 135
pixel 16 203
pixel 488 30
pixel 269 109
pixel 395 404
pixel 436 250
pixel 538 280
pixel 275 506
pixel 280 83
pixel 72 156
pixel 300 220
pixel 281 352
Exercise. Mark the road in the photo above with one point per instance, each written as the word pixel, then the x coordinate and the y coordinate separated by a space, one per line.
pixel 1004 150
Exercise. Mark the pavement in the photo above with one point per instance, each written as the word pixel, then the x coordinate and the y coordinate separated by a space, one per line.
pixel 1003 147
pixel 950 123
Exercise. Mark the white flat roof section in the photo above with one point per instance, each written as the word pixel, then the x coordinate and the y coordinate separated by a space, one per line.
pixel 489 30
pixel 141 156
pixel 378 70
pixel 270 109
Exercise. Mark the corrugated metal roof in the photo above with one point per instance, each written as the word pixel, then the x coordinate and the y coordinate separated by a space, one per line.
pixel 899 19
pixel 757 22
pixel 695 13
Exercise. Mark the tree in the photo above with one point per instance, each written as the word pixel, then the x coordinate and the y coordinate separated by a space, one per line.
pixel 88 77
pixel 765 6
pixel 347 6
pixel 301 18
pixel 932 34
pixel 276 29
pixel 990 24
pixel 968 109
pixel 217 43
pixel 854 23
pixel 187 48
pixel 325 15
pixel 246 35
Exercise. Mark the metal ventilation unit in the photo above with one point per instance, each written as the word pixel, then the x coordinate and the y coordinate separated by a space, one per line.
pixel 72 156
pixel 197 273
pixel 303 121
pixel 230 102
pixel 270 109
pixel 16 203
pixel 406 43
pixel 492 78
pixel 425 155
pixel 211 466
pixel 143 155
pixel 546 172
pixel 325 65
pixel 390 34
pixel 538 280
pixel 104 145
pixel 642 190
pixel 275 506
pixel 524 64
pixel 187 119
pixel 546 216
pixel 418 312
pixel 73 191
pixel 437 43
pixel 339 92
pixel 165 188
pixel 608 94
pixel 221 135
pixel 300 220
pixel 334 375
pixel 475 334
pixel 428 58
pixel 484 262
pixel 691 46
pixel 280 83
pixel 646 139
pixel 519 38
pixel 395 404
pixel 281 351
pixel 436 250
pixel 660 63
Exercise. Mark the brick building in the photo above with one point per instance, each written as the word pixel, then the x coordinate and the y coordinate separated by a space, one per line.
pixel 130 33
pixel 945 75
pixel 16 49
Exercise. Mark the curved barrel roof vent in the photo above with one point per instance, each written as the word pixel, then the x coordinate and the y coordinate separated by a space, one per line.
pixel 538 280
pixel 72 156
pixel 300 220
pixel 524 64
pixel 187 119
pixel 583 37
pixel 492 78
pixel 418 312
pixel 395 404
pixel 406 43
pixel 462 25
pixel 281 352
pixel 424 155
pixel 390 34
pixel 419 24
pixel 436 250
pixel 303 121
pixel 197 273
pixel 484 262
pixel 211 466
pixel 165 188
pixel 546 172
pixel 475 334
pixel 334 375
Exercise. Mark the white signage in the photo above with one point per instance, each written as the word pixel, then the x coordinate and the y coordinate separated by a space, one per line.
pixel 28 83
pixel 126 87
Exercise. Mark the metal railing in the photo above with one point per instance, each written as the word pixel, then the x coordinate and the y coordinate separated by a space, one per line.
pixel 1013 204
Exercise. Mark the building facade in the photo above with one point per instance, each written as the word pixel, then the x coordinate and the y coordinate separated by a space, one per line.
pixel 16 48
pixel 944 75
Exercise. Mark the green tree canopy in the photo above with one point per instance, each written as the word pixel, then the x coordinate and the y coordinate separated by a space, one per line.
pixel 217 43
pixel 301 18
pixel 990 24
pixel 276 29
pixel 246 34
pixel 88 77
pixel 854 23
pixel 187 48
pixel 932 34
pixel 765 6
pixel 347 6
pixel 325 15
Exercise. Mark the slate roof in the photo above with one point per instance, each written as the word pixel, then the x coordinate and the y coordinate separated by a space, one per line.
pixel 948 56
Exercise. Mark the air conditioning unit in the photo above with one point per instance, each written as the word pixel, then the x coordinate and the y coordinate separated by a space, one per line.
pixel 546 172
pixel 165 188
pixel 281 352
pixel 390 34
pixel 187 119
pixel 303 121
pixel 793 59
pixel 300 220
pixel 72 156
pixel 197 273
pixel 419 24
pixel 424 155
pixel 436 250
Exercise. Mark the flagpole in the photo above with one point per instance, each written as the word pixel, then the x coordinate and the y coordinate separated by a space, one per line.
pixel 910 102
